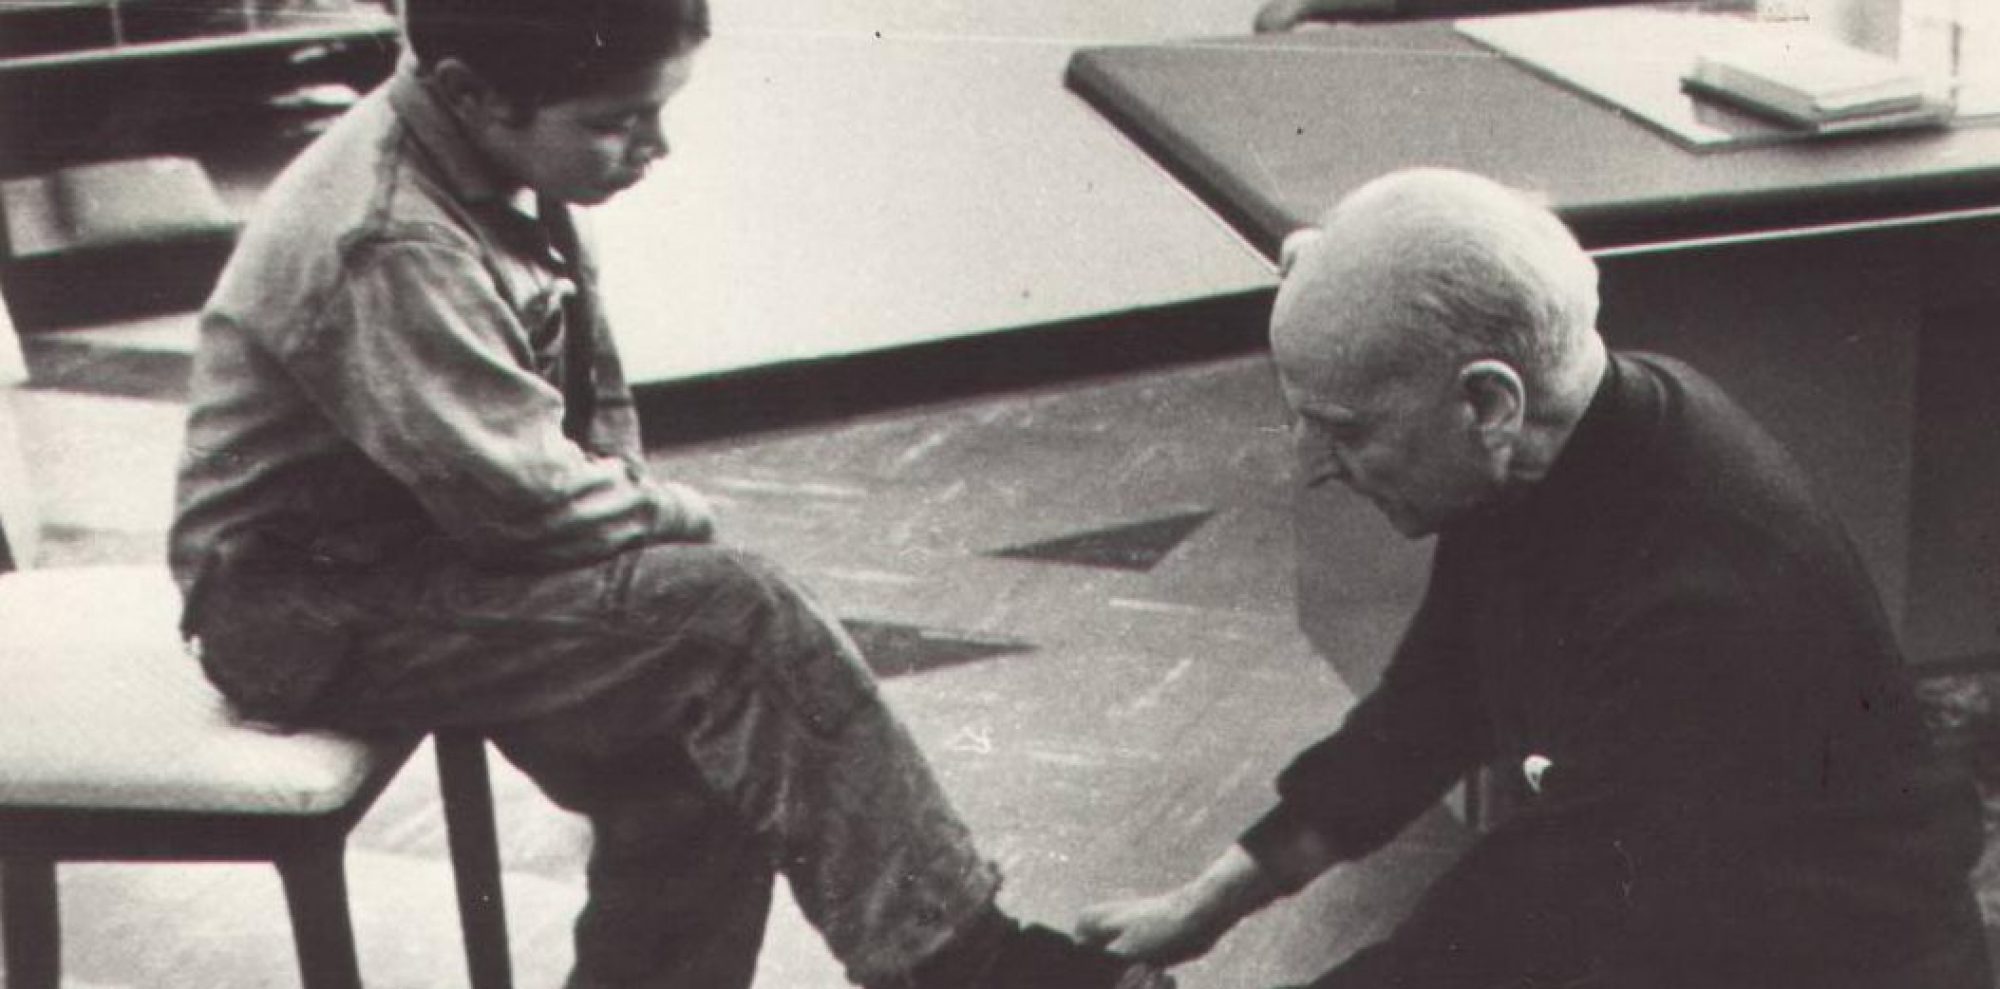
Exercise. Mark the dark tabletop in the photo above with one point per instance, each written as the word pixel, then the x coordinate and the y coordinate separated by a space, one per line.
pixel 1269 130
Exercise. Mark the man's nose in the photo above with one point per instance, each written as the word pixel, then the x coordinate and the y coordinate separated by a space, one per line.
pixel 1316 457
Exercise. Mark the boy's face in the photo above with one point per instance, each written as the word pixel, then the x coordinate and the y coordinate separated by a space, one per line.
pixel 589 148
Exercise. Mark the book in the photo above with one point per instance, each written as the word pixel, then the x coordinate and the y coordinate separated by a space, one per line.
pixel 1927 113
pixel 1808 80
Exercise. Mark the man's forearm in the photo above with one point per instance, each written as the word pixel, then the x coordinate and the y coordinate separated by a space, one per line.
pixel 1286 852
pixel 1233 887
pixel 1185 922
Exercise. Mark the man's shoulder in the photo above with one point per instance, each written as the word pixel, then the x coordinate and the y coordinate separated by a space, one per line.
pixel 1723 507
pixel 1710 454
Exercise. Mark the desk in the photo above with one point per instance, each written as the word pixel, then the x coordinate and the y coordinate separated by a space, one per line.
pixel 1847 292
pixel 1269 131
pixel 129 92
pixel 191 39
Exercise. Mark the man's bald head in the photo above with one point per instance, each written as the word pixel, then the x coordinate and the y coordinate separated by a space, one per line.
pixel 1424 270
pixel 1436 342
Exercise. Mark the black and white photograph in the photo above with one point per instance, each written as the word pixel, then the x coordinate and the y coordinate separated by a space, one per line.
pixel 1059 494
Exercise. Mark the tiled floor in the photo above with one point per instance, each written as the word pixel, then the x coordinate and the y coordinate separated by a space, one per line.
pixel 1080 596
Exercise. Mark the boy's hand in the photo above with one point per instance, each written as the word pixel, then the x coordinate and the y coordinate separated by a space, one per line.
pixel 697 516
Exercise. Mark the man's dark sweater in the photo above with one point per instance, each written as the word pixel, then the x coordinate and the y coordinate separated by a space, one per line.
pixel 1738 792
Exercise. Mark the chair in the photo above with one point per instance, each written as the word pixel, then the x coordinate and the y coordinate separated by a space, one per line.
pixel 113 747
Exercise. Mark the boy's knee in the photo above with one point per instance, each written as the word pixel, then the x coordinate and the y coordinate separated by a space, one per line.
pixel 731 597
pixel 669 572
pixel 775 628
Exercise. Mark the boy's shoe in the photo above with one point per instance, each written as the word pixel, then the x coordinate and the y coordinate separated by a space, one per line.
pixel 1000 953
pixel 1036 957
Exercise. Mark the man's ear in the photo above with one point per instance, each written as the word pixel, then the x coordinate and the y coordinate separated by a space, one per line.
pixel 470 98
pixel 1496 398
pixel 1296 244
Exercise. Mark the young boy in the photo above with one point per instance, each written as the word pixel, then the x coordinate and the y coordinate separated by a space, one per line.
pixel 413 496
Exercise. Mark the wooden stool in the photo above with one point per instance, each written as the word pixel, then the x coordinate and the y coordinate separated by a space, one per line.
pixel 114 747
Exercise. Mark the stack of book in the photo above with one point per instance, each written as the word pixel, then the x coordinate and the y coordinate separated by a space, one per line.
pixel 1816 84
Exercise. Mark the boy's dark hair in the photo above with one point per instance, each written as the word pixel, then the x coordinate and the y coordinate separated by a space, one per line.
pixel 537 52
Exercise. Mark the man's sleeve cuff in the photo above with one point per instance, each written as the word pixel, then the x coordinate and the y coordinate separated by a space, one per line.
pixel 1285 848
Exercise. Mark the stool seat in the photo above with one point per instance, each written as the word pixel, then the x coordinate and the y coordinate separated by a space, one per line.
pixel 114 747
pixel 107 709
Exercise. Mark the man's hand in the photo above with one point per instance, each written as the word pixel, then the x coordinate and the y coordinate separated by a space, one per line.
pixel 1284 15
pixel 1162 930
pixel 1174 927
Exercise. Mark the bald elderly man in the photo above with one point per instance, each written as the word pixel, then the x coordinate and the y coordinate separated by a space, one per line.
pixel 1638 616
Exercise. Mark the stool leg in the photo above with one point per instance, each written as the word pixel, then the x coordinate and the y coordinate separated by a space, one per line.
pixel 475 856
pixel 316 891
pixel 29 923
